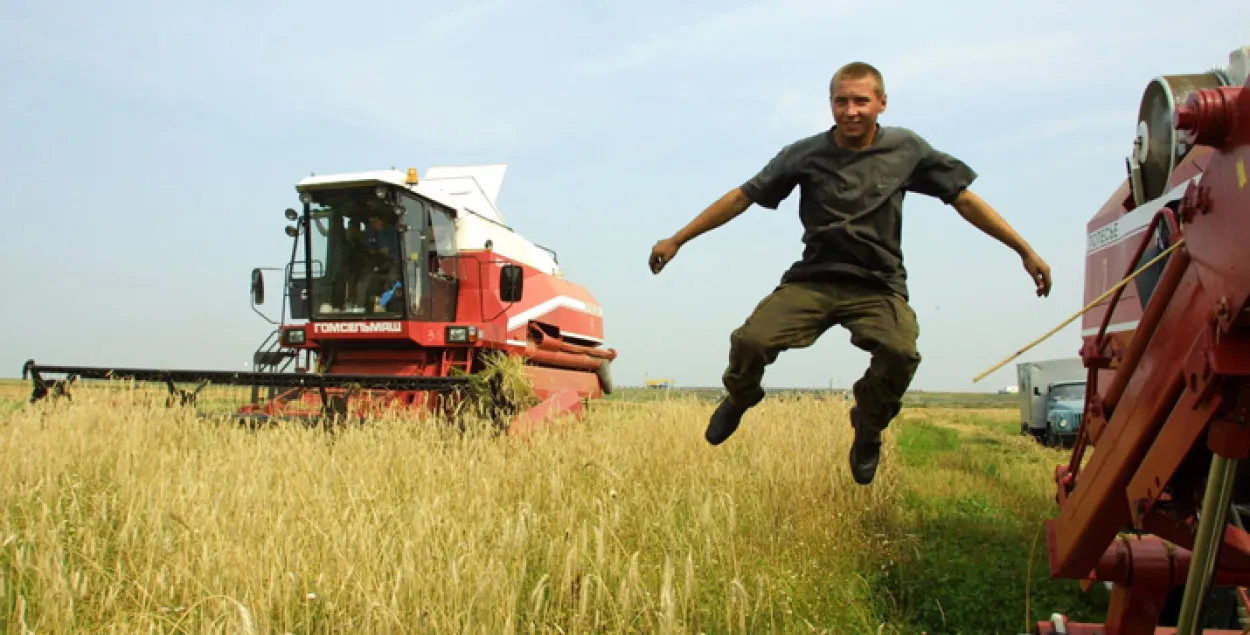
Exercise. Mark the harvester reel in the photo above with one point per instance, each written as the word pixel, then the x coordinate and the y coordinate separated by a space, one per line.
pixel 41 387
pixel 183 397
pixel 55 387
pixel 334 407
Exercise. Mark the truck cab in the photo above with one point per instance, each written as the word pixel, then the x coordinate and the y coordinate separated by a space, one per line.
pixel 1065 403
pixel 1052 399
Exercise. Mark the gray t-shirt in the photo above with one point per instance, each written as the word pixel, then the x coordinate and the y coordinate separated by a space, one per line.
pixel 851 201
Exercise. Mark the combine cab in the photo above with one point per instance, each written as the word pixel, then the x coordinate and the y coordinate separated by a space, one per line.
pixel 1157 507
pixel 397 290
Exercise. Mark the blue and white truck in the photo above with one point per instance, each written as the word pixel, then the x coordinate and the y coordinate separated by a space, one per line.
pixel 1052 399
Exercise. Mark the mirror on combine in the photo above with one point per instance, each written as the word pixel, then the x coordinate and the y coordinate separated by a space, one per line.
pixel 258 287
pixel 291 214
pixel 510 283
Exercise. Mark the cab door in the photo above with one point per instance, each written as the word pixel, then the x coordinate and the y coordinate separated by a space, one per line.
pixel 413 226
pixel 430 280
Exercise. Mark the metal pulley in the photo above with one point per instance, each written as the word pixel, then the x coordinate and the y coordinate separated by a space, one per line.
pixel 1158 147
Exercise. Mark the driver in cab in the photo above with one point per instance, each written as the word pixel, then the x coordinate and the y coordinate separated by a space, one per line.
pixel 381 256
pixel 382 240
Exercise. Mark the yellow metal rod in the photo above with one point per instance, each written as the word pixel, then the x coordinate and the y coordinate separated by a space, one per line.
pixel 1106 294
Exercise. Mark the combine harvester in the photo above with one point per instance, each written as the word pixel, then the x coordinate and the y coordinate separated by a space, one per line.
pixel 1152 498
pixel 405 328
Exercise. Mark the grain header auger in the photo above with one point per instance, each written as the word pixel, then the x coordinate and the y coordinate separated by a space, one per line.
pixel 397 291
pixel 1153 499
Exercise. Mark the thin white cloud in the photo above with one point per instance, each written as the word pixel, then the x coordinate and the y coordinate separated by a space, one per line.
pixel 413 75
pixel 753 28
pixel 1051 64
pixel 959 57
pixel 800 111
pixel 962 72
pixel 1115 124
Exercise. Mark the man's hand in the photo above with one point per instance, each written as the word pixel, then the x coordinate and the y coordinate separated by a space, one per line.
pixel 1039 271
pixel 662 253
pixel 985 218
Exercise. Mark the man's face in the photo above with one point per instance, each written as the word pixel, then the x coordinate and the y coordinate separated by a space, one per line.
pixel 856 106
pixel 376 223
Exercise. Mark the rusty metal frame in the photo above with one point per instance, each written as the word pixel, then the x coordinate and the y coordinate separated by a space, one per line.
pixel 1149 511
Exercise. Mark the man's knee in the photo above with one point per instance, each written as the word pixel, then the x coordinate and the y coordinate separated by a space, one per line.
pixel 879 393
pixel 899 354
pixel 748 340
pixel 896 364
pixel 891 338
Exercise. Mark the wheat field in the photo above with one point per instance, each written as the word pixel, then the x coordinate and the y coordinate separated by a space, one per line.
pixel 136 518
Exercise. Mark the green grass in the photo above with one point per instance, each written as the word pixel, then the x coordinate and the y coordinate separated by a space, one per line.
pixel 973 498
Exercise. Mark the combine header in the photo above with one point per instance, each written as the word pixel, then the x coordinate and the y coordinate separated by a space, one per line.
pixel 397 289
pixel 1157 510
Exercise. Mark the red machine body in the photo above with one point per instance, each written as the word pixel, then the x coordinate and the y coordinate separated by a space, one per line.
pixel 464 284
pixel 1150 498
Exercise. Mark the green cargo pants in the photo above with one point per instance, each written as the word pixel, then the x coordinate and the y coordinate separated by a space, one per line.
pixel 795 315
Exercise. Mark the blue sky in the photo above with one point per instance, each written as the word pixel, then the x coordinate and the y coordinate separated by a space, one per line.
pixel 150 148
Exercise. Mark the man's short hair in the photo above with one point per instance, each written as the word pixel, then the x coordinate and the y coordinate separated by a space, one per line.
pixel 858 70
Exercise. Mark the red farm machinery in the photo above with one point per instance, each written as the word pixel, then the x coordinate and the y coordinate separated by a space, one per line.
pixel 398 290
pixel 1153 500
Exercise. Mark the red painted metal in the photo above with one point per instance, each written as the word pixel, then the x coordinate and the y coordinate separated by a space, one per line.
pixel 548 343
pixel 1168 389
pixel 549 381
pixel 1154 474
pixel 1146 328
pixel 1105 261
pixel 1097 507
pixel 1047 628
pixel 1208 115
pixel 563 402
pixel 561 359
pixel 1234 559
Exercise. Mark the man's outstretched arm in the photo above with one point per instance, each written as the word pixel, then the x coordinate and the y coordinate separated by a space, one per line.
pixel 982 215
pixel 725 209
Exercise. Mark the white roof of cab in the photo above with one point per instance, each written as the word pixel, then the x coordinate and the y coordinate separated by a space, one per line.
pixel 473 188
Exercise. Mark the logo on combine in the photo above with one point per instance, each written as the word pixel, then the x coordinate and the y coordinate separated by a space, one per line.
pixel 355 328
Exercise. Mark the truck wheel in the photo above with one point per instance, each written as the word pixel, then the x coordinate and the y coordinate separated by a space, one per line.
pixel 1052 438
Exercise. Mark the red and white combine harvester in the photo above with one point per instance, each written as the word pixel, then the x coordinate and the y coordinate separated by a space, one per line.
pixel 396 288
pixel 1153 499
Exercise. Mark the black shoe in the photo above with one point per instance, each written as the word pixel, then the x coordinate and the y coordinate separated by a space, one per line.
pixel 865 451
pixel 724 422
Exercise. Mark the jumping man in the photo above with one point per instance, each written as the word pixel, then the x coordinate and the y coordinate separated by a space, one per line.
pixel 851 180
